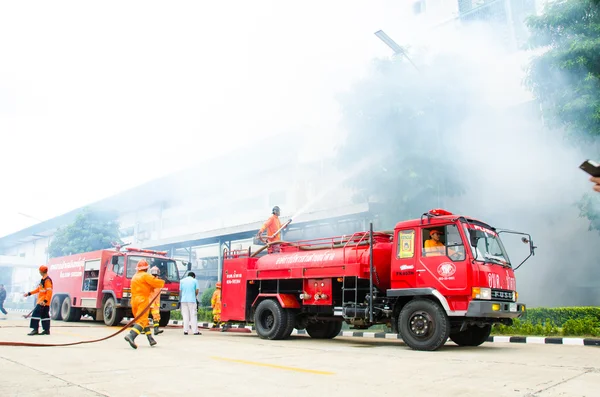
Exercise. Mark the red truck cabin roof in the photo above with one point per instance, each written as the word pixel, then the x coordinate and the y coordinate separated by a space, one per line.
pixel 433 219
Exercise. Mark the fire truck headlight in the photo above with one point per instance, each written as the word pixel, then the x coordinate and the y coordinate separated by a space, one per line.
pixel 515 296
pixel 481 293
pixel 173 297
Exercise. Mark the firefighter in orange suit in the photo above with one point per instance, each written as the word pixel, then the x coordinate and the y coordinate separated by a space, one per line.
pixel 155 307
pixel 272 225
pixel 215 303
pixel 42 308
pixel 142 287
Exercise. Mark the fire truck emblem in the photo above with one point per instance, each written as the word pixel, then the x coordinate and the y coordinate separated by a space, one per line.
pixel 446 269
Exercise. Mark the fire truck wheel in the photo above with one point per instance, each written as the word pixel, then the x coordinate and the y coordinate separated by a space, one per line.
pixel 324 329
pixel 270 319
pixel 291 323
pixel 472 336
pixel 164 318
pixel 69 313
pixel 112 314
pixel 423 325
pixel 55 306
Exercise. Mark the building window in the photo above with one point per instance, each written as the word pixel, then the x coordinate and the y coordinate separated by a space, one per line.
pixel 419 7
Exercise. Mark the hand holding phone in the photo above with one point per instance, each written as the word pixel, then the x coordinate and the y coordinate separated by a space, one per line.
pixel 591 167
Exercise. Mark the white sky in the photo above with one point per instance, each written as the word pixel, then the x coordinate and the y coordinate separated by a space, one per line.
pixel 90 93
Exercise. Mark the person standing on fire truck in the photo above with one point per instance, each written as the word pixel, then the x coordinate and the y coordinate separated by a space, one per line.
pixel 272 225
pixel 142 287
pixel 42 308
pixel 155 307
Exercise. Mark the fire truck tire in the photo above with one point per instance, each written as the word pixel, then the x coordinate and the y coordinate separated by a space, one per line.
pixel 324 329
pixel 291 323
pixel 423 325
pixel 164 318
pixel 55 306
pixel 472 336
pixel 271 320
pixel 112 314
pixel 69 313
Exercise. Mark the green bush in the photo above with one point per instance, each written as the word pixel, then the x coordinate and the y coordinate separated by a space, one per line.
pixel 204 315
pixel 206 297
pixel 560 321
pixel 560 315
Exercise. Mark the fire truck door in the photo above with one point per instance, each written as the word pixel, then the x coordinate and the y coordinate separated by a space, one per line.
pixel 403 264
pixel 442 264
pixel 113 278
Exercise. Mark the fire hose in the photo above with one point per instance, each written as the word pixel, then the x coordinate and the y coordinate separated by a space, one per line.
pixel 27 344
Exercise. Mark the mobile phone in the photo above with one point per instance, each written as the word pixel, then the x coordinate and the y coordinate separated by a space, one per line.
pixel 591 167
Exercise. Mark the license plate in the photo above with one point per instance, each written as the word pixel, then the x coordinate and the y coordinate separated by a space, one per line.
pixel 512 307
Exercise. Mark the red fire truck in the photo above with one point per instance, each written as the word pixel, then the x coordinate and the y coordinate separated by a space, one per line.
pixel 456 288
pixel 98 284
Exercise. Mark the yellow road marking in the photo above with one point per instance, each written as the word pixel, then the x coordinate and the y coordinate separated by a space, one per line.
pixel 310 371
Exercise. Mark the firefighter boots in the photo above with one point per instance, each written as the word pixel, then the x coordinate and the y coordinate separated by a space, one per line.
pixel 33 332
pixel 151 340
pixel 133 333
pixel 157 330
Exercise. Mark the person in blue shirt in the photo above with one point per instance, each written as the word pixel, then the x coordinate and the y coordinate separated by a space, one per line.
pixel 188 290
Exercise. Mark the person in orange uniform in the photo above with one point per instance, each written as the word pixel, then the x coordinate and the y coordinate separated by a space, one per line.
pixel 272 225
pixel 155 307
pixel 433 246
pixel 42 308
pixel 142 287
pixel 215 303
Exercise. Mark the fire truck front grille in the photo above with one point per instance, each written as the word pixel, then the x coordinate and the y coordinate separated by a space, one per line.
pixel 502 295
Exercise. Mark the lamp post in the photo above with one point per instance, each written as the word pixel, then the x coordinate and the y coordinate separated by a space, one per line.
pixel 399 50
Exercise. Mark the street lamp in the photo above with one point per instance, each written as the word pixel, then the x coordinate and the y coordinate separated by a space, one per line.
pixel 398 50
pixel 29 216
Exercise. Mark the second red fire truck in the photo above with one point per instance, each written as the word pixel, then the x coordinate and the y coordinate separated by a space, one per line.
pixel 426 288
pixel 98 284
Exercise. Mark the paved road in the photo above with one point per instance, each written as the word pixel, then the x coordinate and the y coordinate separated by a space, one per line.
pixel 242 364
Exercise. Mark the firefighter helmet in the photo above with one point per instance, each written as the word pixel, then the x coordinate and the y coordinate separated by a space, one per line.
pixel 44 269
pixel 142 265
pixel 154 270
pixel 276 210
pixel 218 284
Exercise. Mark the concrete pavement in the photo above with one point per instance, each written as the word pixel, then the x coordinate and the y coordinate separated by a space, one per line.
pixel 244 365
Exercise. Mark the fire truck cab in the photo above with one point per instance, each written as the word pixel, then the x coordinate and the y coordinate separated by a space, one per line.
pixel 438 277
pixel 98 284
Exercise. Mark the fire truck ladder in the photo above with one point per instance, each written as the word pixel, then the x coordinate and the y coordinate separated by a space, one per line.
pixel 355 288
pixel 350 287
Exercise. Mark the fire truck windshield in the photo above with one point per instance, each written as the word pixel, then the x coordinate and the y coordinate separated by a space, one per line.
pixel 486 245
pixel 167 267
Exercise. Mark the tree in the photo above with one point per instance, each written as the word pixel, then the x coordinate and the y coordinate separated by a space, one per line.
pixel 566 78
pixel 206 297
pixel 398 121
pixel 91 230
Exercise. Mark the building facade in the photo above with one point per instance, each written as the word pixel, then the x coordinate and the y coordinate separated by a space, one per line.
pixel 196 213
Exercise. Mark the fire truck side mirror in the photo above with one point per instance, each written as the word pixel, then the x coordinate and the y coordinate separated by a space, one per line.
pixel 189 266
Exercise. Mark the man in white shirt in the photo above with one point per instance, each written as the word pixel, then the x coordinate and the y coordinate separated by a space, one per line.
pixel 188 290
